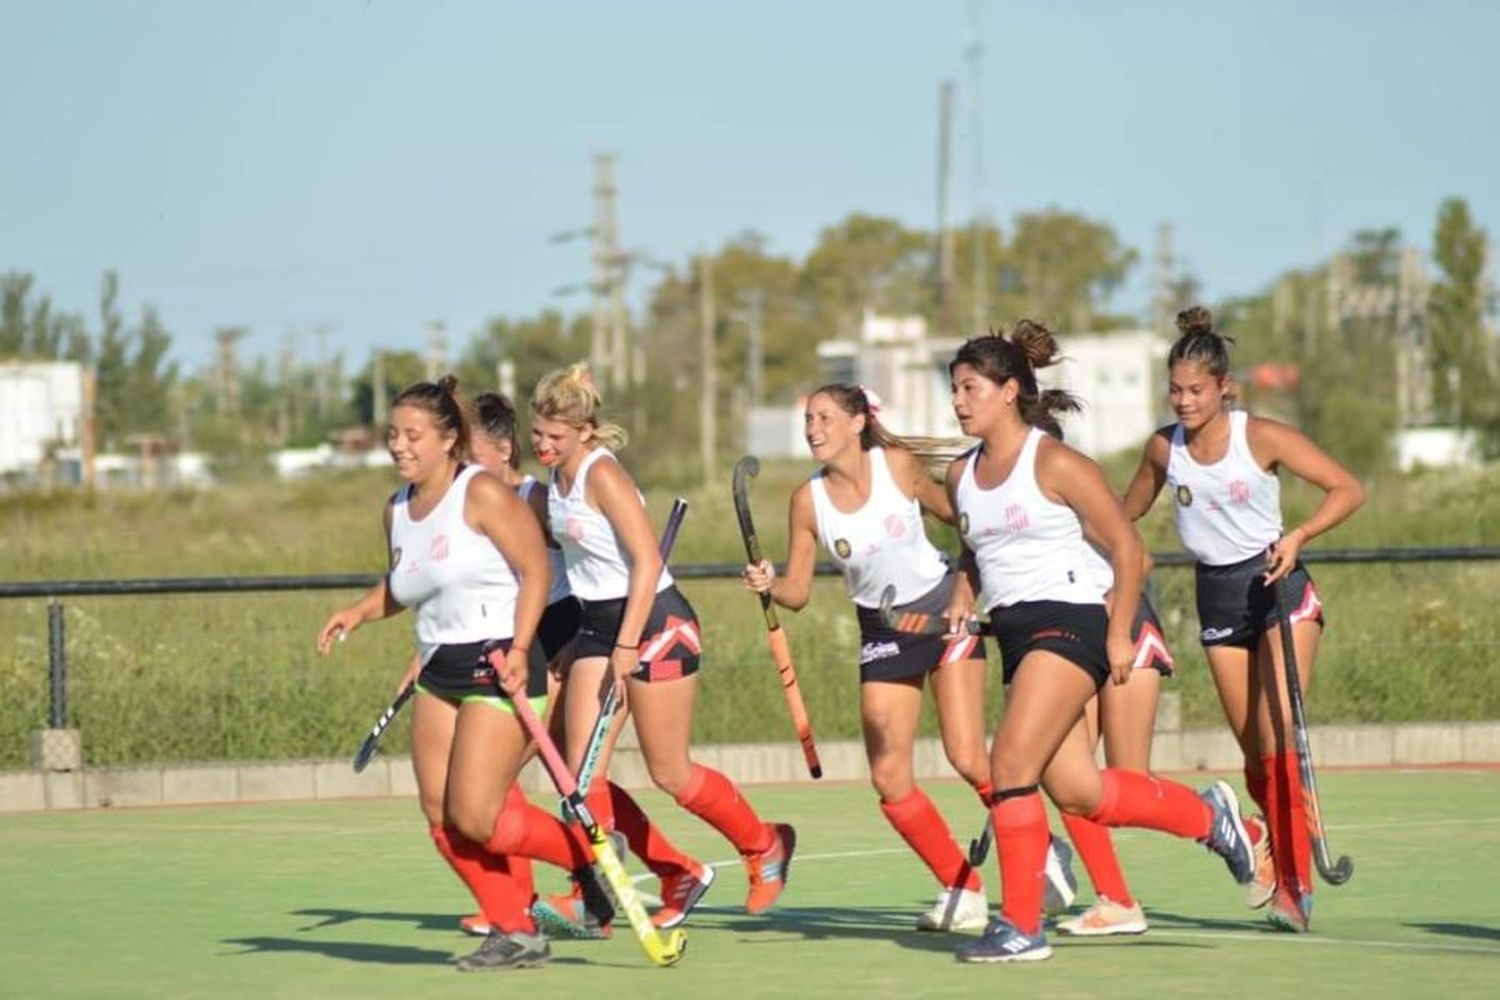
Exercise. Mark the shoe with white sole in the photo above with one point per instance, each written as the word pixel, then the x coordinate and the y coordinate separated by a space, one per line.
pixel 1002 941
pixel 1106 917
pixel 1061 885
pixel 956 910
pixel 1262 888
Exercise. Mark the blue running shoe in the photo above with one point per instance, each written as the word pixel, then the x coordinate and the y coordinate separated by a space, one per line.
pixel 1003 942
pixel 1227 836
pixel 1061 885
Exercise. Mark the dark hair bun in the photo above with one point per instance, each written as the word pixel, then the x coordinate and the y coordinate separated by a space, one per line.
pixel 1195 320
pixel 1036 342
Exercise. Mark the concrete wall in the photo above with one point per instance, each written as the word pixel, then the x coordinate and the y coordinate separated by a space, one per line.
pixel 1415 744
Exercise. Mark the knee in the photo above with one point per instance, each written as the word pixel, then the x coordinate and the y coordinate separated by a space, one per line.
pixel 671 776
pixel 474 820
pixel 432 809
pixel 967 758
pixel 891 777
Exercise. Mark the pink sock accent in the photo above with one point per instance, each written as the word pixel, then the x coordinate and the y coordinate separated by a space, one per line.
pixel 1134 799
pixel 714 799
pixel 1021 837
pixel 985 791
pixel 1098 853
pixel 501 888
pixel 924 829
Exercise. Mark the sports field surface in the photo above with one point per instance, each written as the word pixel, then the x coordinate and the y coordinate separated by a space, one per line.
pixel 350 900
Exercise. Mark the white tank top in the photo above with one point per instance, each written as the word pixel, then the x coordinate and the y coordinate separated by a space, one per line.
pixel 598 567
pixel 460 586
pixel 555 565
pixel 883 543
pixel 1229 511
pixel 1100 566
pixel 1027 547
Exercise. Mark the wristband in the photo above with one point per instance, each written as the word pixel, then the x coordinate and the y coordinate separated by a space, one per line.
pixel 621 645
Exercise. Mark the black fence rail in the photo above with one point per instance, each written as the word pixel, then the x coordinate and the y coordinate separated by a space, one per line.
pixel 55 590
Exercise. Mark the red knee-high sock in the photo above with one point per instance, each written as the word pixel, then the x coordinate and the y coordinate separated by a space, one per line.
pixel 600 803
pixel 986 793
pixel 1021 837
pixel 923 827
pixel 1098 852
pixel 523 829
pixel 501 888
pixel 647 841
pixel 1290 840
pixel 714 799
pixel 1134 799
pixel 1255 784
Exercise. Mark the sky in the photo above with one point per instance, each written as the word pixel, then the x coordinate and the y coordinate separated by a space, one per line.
pixel 366 168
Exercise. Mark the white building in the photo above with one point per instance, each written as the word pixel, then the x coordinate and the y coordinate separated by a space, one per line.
pixel 41 409
pixel 1118 376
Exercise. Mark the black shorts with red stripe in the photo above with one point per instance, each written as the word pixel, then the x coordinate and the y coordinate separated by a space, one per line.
pixel 670 643
pixel 1150 642
pixel 559 625
pixel 1076 632
pixel 886 654
pixel 1235 607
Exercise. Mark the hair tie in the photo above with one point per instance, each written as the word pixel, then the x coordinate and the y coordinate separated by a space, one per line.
pixel 872 400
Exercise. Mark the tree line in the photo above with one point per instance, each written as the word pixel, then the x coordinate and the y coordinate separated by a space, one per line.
pixel 1052 265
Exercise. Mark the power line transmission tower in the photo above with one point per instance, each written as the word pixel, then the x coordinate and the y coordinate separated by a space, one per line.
pixel 229 371
pixel 1161 300
pixel 437 350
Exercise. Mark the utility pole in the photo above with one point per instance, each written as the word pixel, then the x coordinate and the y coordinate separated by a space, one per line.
pixel 1161 301
pixel 611 334
pixel 708 387
pixel 974 51
pixel 437 350
pixel 754 316
pixel 945 236
pixel 229 371
pixel 377 389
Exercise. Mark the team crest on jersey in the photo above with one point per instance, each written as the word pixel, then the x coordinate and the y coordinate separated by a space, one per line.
pixel 395 557
pixel 1184 496
pixel 963 523
pixel 841 547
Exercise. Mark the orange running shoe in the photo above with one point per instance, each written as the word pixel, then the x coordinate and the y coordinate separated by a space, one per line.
pixel 680 893
pixel 1263 886
pixel 475 925
pixel 769 869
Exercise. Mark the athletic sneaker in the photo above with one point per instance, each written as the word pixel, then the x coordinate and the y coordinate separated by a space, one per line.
pixel 769 869
pixel 1290 911
pixel 1226 833
pixel 1061 886
pixel 1106 917
pixel 1260 891
pixel 516 950
pixel 956 910
pixel 476 925
pixel 1003 942
pixel 564 916
pixel 679 894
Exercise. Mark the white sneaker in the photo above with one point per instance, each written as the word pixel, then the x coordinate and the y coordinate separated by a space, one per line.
pixel 1262 888
pixel 1106 917
pixel 1061 886
pixel 956 910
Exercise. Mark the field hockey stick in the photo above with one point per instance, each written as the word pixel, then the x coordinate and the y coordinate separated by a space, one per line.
pixel 661 949
pixel 781 651
pixel 367 748
pixel 916 622
pixel 612 694
pixel 1334 873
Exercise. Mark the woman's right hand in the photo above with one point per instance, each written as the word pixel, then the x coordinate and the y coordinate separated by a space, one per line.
pixel 338 627
pixel 759 576
pixel 960 611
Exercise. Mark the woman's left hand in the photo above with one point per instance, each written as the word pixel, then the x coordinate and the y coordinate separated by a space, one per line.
pixel 624 662
pixel 512 672
pixel 1281 557
pixel 1121 653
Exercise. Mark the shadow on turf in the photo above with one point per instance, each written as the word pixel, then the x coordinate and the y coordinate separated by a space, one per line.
pixel 423 921
pixel 370 954
pixel 887 925
pixel 1179 921
pixel 1471 931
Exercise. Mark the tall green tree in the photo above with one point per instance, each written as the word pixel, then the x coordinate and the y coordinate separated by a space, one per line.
pixel 1063 268
pixel 1463 377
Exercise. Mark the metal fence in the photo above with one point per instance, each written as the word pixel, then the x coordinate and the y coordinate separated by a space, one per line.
pixel 1390 614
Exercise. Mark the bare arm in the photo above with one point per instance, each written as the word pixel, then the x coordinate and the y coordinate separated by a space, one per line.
pixel 967 587
pixel 493 509
pixel 1273 443
pixel 375 604
pixel 912 479
pixel 1149 477
pixel 792 589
